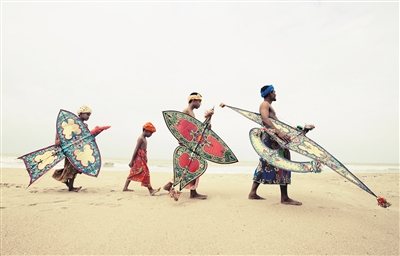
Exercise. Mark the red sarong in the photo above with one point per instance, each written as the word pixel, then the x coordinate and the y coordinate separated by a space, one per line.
pixel 139 171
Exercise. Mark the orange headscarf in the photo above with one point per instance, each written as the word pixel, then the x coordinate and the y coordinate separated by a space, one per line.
pixel 149 127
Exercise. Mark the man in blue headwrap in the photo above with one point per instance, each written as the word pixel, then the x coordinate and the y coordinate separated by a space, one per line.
pixel 266 173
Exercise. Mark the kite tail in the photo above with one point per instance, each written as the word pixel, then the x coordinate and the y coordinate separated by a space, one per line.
pixel 383 202
pixel 175 194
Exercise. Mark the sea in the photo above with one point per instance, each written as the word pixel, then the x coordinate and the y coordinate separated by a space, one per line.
pixel 165 165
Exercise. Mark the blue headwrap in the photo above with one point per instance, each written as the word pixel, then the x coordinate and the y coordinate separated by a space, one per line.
pixel 268 90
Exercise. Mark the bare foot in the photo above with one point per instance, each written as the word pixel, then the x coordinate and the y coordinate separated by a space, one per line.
pixel 167 186
pixel 289 201
pixel 255 197
pixel 153 191
pixel 126 189
pixel 75 189
pixel 195 195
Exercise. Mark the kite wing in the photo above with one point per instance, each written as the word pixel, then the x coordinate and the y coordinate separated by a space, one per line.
pixel 38 162
pixel 273 157
pixel 78 144
pixel 307 147
pixel 187 166
pixel 198 138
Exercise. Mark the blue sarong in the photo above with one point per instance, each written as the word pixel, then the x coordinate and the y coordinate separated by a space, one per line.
pixel 266 173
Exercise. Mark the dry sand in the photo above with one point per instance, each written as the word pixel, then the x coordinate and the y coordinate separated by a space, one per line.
pixel 336 218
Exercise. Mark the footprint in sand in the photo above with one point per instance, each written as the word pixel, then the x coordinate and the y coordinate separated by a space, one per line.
pixel 59 201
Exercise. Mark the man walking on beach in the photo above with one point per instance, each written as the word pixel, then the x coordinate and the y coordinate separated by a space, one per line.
pixel 68 174
pixel 266 173
pixel 139 169
pixel 194 102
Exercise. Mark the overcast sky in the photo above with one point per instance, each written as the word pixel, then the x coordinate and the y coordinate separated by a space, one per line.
pixel 335 65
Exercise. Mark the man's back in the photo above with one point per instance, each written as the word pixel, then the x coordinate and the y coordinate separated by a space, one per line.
pixel 189 112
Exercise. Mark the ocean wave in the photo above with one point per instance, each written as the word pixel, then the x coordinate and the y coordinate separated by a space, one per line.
pixel 162 165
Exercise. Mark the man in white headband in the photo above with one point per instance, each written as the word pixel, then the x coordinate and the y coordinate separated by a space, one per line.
pixel 194 102
pixel 84 109
pixel 68 174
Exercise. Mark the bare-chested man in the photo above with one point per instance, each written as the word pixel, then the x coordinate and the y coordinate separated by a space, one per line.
pixel 266 173
pixel 139 169
pixel 194 100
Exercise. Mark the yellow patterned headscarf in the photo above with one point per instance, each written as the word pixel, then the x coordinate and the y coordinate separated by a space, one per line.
pixel 84 109
pixel 194 97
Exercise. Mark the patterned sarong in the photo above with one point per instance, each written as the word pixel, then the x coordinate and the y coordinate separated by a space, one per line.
pixel 139 171
pixel 68 172
pixel 266 173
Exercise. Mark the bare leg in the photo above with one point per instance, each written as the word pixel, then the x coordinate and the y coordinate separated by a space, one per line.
pixel 167 186
pixel 67 183
pixel 285 198
pixel 126 186
pixel 153 191
pixel 71 185
pixel 195 195
pixel 253 192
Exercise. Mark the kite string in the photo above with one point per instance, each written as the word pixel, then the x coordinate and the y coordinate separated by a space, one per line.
pixel 287 122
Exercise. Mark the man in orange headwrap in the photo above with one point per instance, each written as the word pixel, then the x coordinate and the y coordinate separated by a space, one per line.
pixel 139 170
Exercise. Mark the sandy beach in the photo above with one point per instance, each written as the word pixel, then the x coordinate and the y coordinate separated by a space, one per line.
pixel 336 218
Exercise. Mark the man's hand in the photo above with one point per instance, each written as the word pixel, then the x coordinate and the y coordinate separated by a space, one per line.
pixel 307 128
pixel 283 136
pixel 209 113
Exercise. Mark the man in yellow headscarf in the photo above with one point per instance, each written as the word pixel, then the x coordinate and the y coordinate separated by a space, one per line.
pixel 194 102
pixel 68 174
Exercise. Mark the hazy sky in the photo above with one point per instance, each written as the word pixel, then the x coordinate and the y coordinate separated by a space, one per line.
pixel 335 65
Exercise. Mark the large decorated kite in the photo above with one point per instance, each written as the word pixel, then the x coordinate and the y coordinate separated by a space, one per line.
pixel 302 145
pixel 77 143
pixel 198 143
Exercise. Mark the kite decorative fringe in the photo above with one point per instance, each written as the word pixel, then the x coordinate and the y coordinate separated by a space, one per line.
pixel 174 194
pixel 383 202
